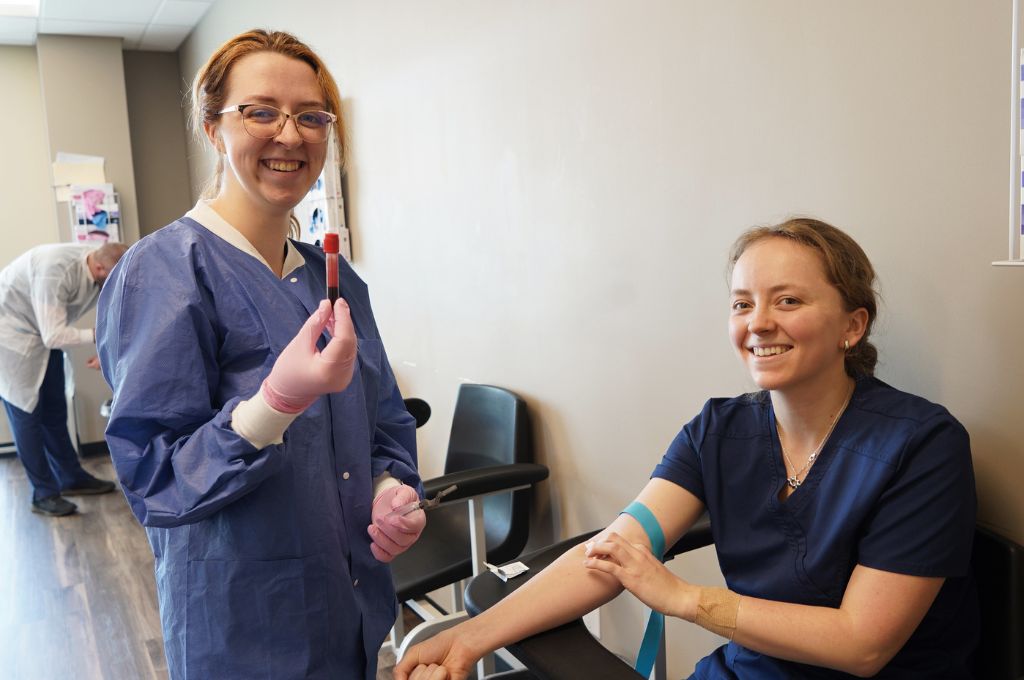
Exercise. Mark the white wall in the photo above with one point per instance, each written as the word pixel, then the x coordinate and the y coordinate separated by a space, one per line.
pixel 542 195
pixel 30 218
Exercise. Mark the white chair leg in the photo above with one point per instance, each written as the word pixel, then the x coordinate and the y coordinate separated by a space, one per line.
pixel 429 629
pixel 661 661
pixel 398 630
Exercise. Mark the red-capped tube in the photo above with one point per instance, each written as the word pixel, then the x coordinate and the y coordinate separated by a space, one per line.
pixel 331 251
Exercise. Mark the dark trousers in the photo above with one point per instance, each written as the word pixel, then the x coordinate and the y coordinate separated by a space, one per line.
pixel 42 438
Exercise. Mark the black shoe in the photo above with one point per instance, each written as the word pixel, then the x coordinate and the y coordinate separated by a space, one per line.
pixel 89 487
pixel 54 506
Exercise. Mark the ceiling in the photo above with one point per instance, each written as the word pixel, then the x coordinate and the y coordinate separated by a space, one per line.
pixel 157 25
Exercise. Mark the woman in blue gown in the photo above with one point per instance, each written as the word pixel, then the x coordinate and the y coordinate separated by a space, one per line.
pixel 842 509
pixel 258 433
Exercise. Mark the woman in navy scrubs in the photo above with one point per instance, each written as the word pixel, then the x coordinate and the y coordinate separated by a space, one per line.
pixel 842 508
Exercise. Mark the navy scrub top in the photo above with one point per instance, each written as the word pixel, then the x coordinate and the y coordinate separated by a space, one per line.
pixel 893 489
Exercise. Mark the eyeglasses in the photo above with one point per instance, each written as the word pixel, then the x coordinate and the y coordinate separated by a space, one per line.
pixel 265 122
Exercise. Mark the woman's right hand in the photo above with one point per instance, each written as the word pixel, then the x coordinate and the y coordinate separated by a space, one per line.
pixel 302 373
pixel 442 657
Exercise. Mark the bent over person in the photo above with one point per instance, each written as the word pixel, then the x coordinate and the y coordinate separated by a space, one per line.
pixel 42 293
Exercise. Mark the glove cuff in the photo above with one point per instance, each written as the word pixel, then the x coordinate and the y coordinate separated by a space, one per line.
pixel 283 402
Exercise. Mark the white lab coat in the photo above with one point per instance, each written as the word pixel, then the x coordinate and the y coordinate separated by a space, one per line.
pixel 41 293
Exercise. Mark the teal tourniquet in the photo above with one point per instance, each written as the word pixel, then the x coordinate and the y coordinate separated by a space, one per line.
pixel 656 623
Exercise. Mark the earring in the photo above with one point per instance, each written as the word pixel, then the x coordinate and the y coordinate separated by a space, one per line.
pixel 846 345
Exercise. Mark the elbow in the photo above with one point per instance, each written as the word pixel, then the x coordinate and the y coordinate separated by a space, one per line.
pixel 50 341
pixel 867 668
pixel 869 662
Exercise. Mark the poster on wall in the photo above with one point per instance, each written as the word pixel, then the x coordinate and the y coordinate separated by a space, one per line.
pixel 323 208
pixel 95 213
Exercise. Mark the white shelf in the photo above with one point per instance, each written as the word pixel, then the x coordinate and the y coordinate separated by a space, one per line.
pixel 1008 263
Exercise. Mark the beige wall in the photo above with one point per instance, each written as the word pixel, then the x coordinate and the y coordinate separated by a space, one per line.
pixel 542 196
pixel 86 111
pixel 154 90
pixel 77 94
pixel 30 215
pixel 82 83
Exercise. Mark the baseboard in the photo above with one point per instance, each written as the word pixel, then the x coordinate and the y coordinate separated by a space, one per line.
pixel 87 450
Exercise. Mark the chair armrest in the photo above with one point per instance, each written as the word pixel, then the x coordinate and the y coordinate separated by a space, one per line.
pixel 485 480
pixel 568 651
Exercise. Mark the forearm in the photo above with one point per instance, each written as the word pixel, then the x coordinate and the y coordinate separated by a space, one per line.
pixel 567 590
pixel 63 337
pixel 879 612
pixel 819 636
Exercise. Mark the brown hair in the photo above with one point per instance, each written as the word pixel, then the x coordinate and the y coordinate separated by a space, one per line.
pixel 846 267
pixel 208 87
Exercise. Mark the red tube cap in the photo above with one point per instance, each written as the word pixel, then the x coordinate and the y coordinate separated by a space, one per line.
pixel 331 243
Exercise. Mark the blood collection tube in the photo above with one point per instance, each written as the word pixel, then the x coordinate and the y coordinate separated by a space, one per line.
pixel 331 251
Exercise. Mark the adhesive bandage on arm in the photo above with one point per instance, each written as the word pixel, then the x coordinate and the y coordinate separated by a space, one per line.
pixel 717 611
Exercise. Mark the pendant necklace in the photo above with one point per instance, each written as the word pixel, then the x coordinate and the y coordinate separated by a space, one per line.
pixel 794 480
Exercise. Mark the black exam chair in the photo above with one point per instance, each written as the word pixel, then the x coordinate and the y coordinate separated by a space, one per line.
pixel 490 459
pixel 570 652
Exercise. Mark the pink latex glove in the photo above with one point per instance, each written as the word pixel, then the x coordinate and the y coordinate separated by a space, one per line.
pixel 302 373
pixel 393 535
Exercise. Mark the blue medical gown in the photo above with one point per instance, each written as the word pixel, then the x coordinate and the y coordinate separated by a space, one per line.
pixel 893 489
pixel 263 566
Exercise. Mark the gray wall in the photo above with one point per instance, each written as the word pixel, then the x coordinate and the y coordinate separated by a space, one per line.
pixel 542 196
pixel 154 91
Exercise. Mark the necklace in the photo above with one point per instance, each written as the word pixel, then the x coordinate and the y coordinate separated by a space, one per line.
pixel 794 480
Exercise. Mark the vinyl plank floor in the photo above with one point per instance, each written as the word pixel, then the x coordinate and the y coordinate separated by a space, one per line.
pixel 77 594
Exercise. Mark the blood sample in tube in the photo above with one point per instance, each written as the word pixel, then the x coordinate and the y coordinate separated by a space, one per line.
pixel 331 252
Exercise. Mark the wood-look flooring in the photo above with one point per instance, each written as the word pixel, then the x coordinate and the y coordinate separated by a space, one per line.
pixel 77 595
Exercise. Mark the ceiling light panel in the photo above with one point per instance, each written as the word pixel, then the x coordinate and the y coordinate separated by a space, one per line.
pixel 123 11
pixel 98 29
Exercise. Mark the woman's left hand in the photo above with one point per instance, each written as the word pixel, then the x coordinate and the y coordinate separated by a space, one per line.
pixel 641 573
pixel 392 535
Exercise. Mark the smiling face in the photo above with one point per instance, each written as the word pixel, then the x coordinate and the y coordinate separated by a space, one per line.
pixel 787 322
pixel 267 175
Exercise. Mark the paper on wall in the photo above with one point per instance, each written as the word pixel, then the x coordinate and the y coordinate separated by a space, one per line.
pixel 73 168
